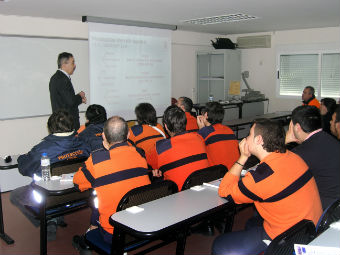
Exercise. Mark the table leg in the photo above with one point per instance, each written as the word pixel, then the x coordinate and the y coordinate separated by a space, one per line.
pixel 43 229
pixel 181 241
pixel 117 247
pixel 3 235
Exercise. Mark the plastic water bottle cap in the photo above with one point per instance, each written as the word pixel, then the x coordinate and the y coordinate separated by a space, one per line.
pixel 44 154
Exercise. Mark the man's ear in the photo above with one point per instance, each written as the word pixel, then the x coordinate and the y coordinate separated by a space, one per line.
pixel 166 127
pixel 259 140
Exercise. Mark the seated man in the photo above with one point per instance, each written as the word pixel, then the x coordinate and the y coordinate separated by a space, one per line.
pixel 318 149
pixel 220 140
pixel 282 189
pixel 148 131
pixel 176 158
pixel 60 145
pixel 91 133
pixel 335 123
pixel 186 105
pixel 308 97
pixel 112 172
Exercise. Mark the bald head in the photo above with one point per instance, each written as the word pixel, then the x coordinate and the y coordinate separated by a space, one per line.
pixel 115 130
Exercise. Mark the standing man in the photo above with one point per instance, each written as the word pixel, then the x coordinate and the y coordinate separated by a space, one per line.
pixel 61 89
pixel 308 97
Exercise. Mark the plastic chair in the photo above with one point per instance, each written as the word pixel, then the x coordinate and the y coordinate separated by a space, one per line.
pixel 134 197
pixel 208 174
pixel 330 215
pixel 302 233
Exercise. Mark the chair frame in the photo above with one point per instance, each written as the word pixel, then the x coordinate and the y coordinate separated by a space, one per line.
pixel 328 217
pixel 287 238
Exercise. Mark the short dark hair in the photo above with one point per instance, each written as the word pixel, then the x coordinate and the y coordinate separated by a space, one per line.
pixel 174 118
pixel 60 121
pixel 337 113
pixel 215 112
pixel 187 103
pixel 308 117
pixel 146 114
pixel 116 130
pixel 95 114
pixel 330 104
pixel 63 57
pixel 311 90
pixel 273 134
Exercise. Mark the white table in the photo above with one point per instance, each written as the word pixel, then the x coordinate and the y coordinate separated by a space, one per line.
pixel 168 214
pixel 329 238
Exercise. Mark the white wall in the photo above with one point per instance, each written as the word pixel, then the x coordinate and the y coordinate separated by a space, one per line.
pixel 18 136
pixel 261 63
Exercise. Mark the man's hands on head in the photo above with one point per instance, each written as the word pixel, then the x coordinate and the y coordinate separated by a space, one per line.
pixel 200 121
pixel 156 173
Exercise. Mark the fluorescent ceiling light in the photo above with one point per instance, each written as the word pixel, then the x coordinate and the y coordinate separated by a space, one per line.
pixel 221 19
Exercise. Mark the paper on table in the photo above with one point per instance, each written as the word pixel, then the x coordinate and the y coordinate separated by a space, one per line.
pixel 301 249
pixel 67 177
pixel 134 209
pixel 197 188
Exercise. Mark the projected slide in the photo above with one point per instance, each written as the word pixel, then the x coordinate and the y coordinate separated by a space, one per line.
pixel 127 69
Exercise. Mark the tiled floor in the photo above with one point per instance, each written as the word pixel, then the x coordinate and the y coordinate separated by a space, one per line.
pixel 26 236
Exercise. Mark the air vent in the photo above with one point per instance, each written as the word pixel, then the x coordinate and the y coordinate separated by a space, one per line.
pixel 250 42
pixel 221 19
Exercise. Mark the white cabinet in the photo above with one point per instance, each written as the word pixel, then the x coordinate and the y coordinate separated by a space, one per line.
pixel 215 71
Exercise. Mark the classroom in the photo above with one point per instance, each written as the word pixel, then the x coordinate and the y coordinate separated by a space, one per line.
pixel 303 27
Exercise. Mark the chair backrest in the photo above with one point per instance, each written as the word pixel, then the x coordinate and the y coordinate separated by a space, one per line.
pixel 330 215
pixel 67 166
pixel 147 193
pixel 204 175
pixel 301 233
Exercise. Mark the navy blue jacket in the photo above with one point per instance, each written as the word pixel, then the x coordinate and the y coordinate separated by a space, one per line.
pixel 58 148
pixel 321 152
pixel 92 135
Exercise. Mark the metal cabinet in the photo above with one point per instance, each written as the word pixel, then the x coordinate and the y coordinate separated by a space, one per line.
pixel 215 71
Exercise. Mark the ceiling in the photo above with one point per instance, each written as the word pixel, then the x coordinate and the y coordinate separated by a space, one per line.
pixel 273 14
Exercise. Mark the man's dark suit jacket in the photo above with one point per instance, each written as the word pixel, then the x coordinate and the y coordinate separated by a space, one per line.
pixel 63 96
pixel 321 152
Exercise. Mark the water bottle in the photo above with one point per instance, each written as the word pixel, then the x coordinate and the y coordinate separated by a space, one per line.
pixel 45 167
pixel 211 98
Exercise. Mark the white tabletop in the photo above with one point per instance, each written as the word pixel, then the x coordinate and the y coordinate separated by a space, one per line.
pixel 329 238
pixel 54 185
pixel 167 211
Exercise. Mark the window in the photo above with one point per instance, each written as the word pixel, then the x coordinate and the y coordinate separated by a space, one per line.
pixel 320 70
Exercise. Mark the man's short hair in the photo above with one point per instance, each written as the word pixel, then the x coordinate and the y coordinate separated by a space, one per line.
pixel 63 58
pixel 146 114
pixel 311 90
pixel 273 134
pixel 187 103
pixel 115 130
pixel 95 114
pixel 60 121
pixel 337 113
pixel 175 120
pixel 329 103
pixel 308 117
pixel 215 112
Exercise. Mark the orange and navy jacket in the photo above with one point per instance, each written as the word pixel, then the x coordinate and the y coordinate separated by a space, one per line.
pixel 282 188
pixel 112 174
pixel 145 136
pixel 191 123
pixel 179 156
pixel 58 148
pixel 221 145
pixel 92 135
pixel 312 102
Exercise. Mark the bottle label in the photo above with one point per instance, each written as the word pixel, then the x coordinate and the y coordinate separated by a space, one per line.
pixel 45 162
